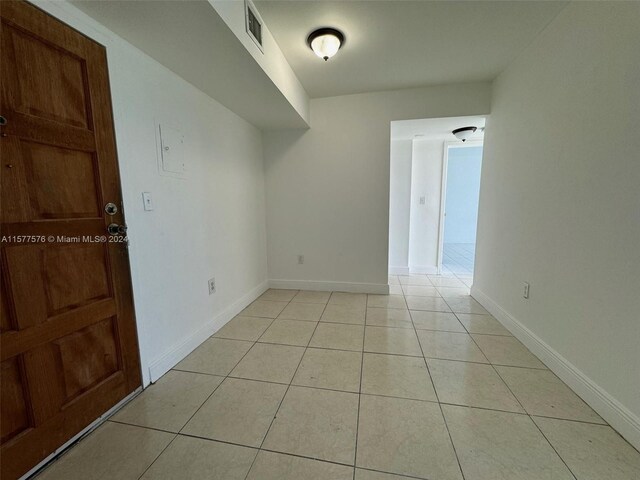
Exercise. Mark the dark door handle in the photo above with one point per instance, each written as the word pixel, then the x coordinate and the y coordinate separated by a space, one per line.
pixel 115 229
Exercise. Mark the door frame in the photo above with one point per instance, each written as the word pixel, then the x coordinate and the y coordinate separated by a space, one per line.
pixel 443 189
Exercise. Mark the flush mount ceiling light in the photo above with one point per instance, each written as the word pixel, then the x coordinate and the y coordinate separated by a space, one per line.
pixel 325 42
pixel 464 133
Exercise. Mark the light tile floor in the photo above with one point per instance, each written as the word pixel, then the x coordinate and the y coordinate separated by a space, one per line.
pixel 458 258
pixel 421 384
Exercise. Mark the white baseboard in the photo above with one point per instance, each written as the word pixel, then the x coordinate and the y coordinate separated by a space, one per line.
pixel 162 365
pixel 414 269
pixel 424 269
pixel 379 288
pixel 398 270
pixel 612 411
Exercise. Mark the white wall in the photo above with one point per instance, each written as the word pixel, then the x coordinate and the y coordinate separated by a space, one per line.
pixel 328 187
pixel 212 223
pixel 560 204
pixel 399 205
pixel 426 182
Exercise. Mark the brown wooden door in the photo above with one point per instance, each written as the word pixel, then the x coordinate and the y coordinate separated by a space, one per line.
pixel 68 338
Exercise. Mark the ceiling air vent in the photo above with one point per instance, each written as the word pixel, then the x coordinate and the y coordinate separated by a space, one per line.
pixel 254 23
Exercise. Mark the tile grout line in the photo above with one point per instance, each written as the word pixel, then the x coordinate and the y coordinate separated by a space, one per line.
pixel 206 400
pixel 216 388
pixel 254 342
pixel 297 455
pixel 309 457
pixel 522 406
pixel 198 409
pixel 523 413
pixel 455 452
pixel 285 393
pixel 275 415
pixel 532 421
pixel 364 335
pixel 377 353
pixel 476 407
pixel 306 457
pixel 362 352
pixel 175 435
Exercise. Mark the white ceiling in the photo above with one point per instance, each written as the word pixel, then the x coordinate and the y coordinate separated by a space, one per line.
pixel 402 44
pixel 435 128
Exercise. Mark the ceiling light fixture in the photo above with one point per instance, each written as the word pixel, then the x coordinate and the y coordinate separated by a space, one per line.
pixel 325 42
pixel 464 133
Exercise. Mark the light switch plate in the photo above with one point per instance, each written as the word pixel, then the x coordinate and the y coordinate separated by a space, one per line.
pixel 147 201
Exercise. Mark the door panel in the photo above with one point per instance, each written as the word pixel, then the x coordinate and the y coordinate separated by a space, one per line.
pixel 68 346
pixel 62 182
pixel 15 415
pixel 87 357
pixel 69 288
pixel 68 75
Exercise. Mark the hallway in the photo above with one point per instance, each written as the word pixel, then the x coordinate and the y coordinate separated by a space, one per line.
pixel 421 383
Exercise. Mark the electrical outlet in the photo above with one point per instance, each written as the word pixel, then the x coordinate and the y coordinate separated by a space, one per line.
pixel 525 290
pixel 300 259
pixel 212 286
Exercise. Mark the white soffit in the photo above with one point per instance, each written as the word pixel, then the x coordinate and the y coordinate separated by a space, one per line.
pixel 192 40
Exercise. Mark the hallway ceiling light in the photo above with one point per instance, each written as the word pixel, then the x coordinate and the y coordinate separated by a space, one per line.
pixel 325 42
pixel 464 133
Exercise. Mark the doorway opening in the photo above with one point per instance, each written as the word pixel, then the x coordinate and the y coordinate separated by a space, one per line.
pixel 421 239
pixel 459 207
